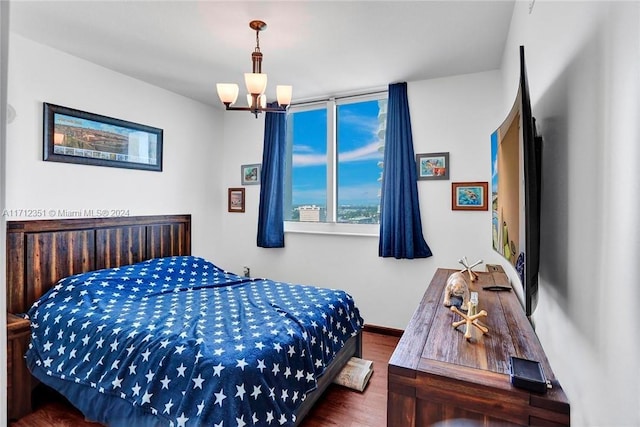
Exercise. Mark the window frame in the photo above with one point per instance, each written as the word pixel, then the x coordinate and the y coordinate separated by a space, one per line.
pixel 331 226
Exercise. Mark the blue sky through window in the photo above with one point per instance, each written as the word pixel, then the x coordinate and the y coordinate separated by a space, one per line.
pixel 309 172
pixel 359 153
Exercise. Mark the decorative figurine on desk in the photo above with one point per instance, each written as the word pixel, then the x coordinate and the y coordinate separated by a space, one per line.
pixel 457 287
pixel 471 317
pixel 472 275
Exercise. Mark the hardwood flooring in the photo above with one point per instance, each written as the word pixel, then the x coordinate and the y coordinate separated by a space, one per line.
pixel 343 407
pixel 338 407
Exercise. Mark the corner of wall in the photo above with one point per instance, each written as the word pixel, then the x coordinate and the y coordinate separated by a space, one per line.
pixel 4 66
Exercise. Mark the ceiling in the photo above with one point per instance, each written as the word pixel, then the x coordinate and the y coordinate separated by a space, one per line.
pixel 322 48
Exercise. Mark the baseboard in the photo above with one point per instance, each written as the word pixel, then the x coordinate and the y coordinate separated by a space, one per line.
pixel 383 330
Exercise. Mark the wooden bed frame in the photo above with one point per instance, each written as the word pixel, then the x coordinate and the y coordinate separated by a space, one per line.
pixel 41 252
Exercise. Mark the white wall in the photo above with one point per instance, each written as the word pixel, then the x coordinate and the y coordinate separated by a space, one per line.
pixel 456 114
pixel 4 62
pixel 583 61
pixel 191 155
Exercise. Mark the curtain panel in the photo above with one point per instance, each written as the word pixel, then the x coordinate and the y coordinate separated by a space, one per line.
pixel 400 224
pixel 271 214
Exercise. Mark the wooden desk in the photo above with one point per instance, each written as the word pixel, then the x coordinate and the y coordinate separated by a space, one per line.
pixel 435 374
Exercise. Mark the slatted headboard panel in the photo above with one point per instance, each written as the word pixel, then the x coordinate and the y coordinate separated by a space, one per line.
pixel 39 253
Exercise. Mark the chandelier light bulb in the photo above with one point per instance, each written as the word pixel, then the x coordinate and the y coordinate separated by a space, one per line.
pixel 283 94
pixel 261 101
pixel 227 92
pixel 256 83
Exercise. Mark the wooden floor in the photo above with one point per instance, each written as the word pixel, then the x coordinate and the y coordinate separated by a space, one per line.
pixel 343 407
pixel 338 407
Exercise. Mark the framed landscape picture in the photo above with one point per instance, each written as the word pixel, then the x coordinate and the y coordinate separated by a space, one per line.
pixel 250 174
pixel 469 196
pixel 74 136
pixel 433 166
pixel 236 200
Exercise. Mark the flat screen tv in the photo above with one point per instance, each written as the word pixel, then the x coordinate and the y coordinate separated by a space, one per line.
pixel 516 151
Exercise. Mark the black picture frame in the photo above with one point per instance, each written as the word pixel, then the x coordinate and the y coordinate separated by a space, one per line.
pixel 433 166
pixel 74 136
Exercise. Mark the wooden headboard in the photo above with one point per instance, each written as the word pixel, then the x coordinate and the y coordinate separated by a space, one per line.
pixel 39 253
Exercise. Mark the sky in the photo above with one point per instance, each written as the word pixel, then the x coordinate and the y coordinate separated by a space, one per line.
pixel 358 155
pixel 63 119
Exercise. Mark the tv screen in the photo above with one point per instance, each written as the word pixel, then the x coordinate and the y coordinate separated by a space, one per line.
pixel 515 186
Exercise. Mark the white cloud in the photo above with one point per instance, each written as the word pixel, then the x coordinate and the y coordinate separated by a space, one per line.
pixel 368 152
pixel 300 148
pixel 360 121
pixel 309 159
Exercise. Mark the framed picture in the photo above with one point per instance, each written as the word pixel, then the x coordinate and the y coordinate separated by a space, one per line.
pixel 74 136
pixel 236 200
pixel 433 166
pixel 250 174
pixel 469 196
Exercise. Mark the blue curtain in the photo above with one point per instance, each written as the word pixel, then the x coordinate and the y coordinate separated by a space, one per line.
pixel 400 224
pixel 271 214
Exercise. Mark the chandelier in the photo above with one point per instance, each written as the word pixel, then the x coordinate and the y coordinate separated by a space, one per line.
pixel 256 83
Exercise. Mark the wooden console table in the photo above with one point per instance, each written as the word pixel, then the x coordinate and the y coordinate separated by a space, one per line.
pixel 435 374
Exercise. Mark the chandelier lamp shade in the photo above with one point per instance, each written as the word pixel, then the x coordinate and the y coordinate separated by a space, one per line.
pixel 256 83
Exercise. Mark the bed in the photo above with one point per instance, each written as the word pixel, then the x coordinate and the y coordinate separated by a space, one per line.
pixel 134 330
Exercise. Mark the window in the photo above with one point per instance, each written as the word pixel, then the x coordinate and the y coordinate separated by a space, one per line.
pixel 334 160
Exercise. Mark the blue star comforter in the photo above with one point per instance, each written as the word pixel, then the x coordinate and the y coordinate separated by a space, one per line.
pixel 180 342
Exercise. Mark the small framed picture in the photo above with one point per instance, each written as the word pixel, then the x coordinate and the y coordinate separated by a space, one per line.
pixel 236 200
pixel 433 166
pixel 469 196
pixel 250 174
